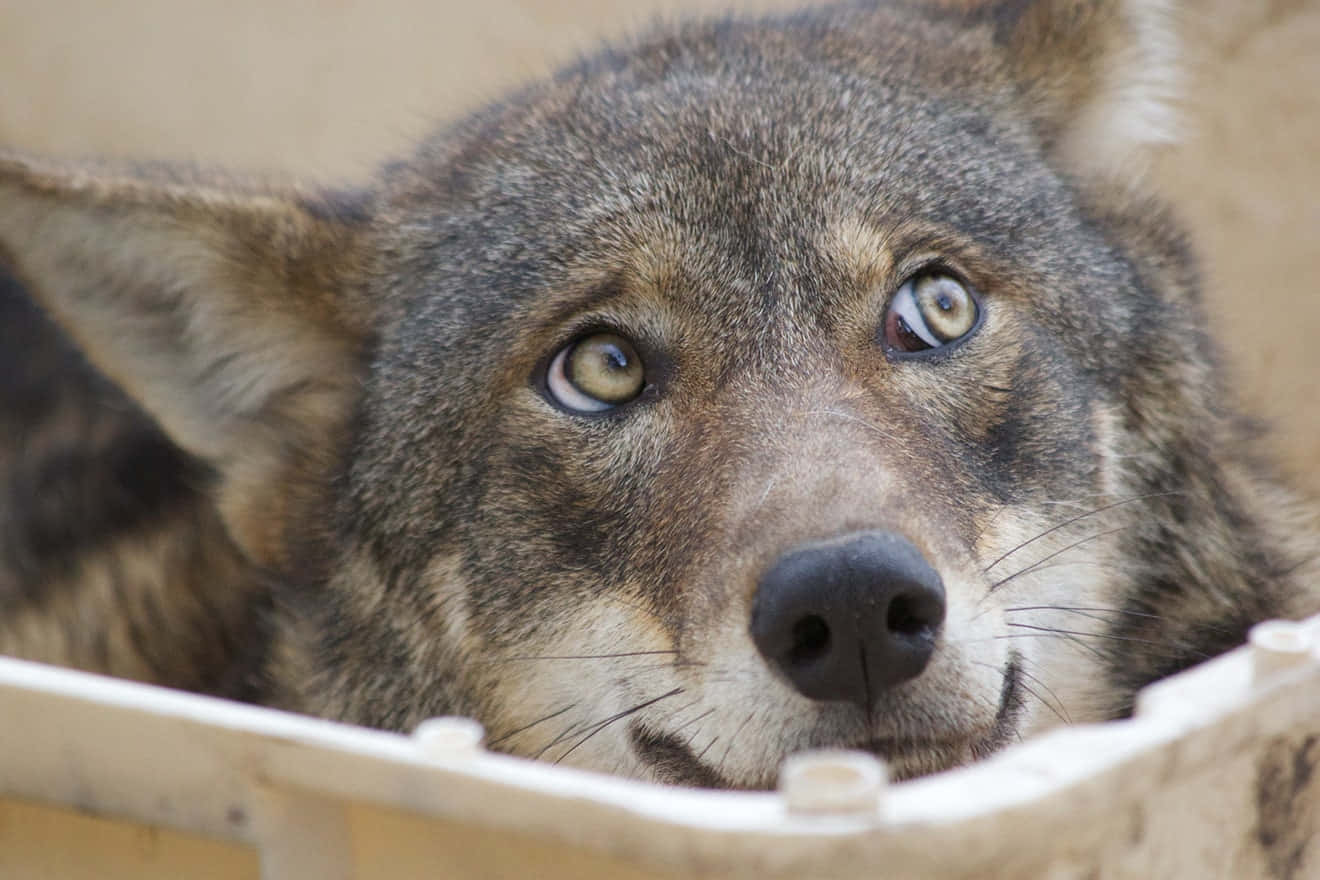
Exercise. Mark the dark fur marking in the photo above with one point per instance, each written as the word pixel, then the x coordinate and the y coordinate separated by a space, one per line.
pixel 671 758
pixel 1285 804
pixel 85 465
pixel 1012 700
pixel 1184 619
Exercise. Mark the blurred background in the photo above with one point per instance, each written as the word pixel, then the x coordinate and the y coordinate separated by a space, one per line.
pixel 325 89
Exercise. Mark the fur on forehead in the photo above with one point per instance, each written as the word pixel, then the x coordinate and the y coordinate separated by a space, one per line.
pixel 1097 79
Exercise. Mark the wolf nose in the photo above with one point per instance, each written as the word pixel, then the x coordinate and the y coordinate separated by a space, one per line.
pixel 848 619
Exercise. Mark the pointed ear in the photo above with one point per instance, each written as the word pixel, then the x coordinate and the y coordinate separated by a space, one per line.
pixel 1105 75
pixel 233 315
pixel 1100 77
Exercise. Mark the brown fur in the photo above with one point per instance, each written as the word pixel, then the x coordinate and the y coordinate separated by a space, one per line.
pixel 411 525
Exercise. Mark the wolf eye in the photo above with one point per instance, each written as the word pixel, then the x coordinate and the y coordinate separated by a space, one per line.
pixel 595 373
pixel 928 312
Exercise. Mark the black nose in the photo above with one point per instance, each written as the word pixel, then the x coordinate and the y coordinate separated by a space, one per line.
pixel 847 619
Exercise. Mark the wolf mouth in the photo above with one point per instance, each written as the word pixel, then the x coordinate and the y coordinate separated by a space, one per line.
pixel 909 757
pixel 673 761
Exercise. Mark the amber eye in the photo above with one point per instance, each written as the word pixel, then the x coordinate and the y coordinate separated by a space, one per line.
pixel 596 373
pixel 928 312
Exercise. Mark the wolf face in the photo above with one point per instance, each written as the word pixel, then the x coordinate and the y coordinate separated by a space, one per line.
pixel 762 385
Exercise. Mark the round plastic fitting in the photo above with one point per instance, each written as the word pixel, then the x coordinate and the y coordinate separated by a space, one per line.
pixel 1277 646
pixel 449 736
pixel 833 782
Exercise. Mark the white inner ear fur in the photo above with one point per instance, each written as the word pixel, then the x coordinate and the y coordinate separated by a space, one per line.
pixel 1133 111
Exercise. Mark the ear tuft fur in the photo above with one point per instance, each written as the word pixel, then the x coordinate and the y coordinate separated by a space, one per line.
pixel 1133 109
pixel 1101 77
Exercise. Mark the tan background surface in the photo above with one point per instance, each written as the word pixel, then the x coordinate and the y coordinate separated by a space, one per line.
pixel 326 88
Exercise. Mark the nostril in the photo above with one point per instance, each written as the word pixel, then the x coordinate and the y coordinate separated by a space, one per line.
pixel 906 617
pixel 811 640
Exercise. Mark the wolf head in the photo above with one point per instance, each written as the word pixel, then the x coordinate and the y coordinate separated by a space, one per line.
pixel 762 384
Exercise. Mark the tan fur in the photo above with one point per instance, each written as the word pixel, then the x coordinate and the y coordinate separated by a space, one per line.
pixel 107 617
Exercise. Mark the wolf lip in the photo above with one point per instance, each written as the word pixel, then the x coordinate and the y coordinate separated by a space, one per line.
pixel 672 760
pixel 1003 725
pixel 674 763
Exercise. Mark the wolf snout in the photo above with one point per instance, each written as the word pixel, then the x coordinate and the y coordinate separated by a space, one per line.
pixel 850 618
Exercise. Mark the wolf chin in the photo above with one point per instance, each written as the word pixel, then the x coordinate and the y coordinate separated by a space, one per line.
pixel 827 379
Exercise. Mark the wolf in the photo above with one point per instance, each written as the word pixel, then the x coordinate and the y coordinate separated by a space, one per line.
pixel 762 383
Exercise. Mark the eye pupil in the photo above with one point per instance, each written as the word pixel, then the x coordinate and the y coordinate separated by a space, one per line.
pixel 615 358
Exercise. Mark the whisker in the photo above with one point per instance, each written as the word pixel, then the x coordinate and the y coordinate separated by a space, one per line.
pixel 1077 500
pixel 1093 563
pixel 692 721
pixel 1059 502
pixel 734 738
pixel 615 717
pixel 529 726
pixel 701 754
pixel 1079 518
pixel 1062 713
pixel 1053 710
pixel 572 729
pixel 1103 636
pixel 584 656
pixel 687 743
pixel 984 609
pixel 1099 655
pixel 1038 563
pixel 1096 613
pixel 1086 635
pixel 1090 613
pixel 1093 612
pixel 1096 616
pixel 683 708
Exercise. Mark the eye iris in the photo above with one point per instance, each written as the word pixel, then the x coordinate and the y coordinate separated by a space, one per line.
pixel 605 367
pixel 946 306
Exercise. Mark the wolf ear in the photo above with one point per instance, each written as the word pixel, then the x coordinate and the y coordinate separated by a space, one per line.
pixel 1100 77
pixel 232 315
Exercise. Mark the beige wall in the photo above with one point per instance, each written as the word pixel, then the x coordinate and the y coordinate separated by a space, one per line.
pixel 325 88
